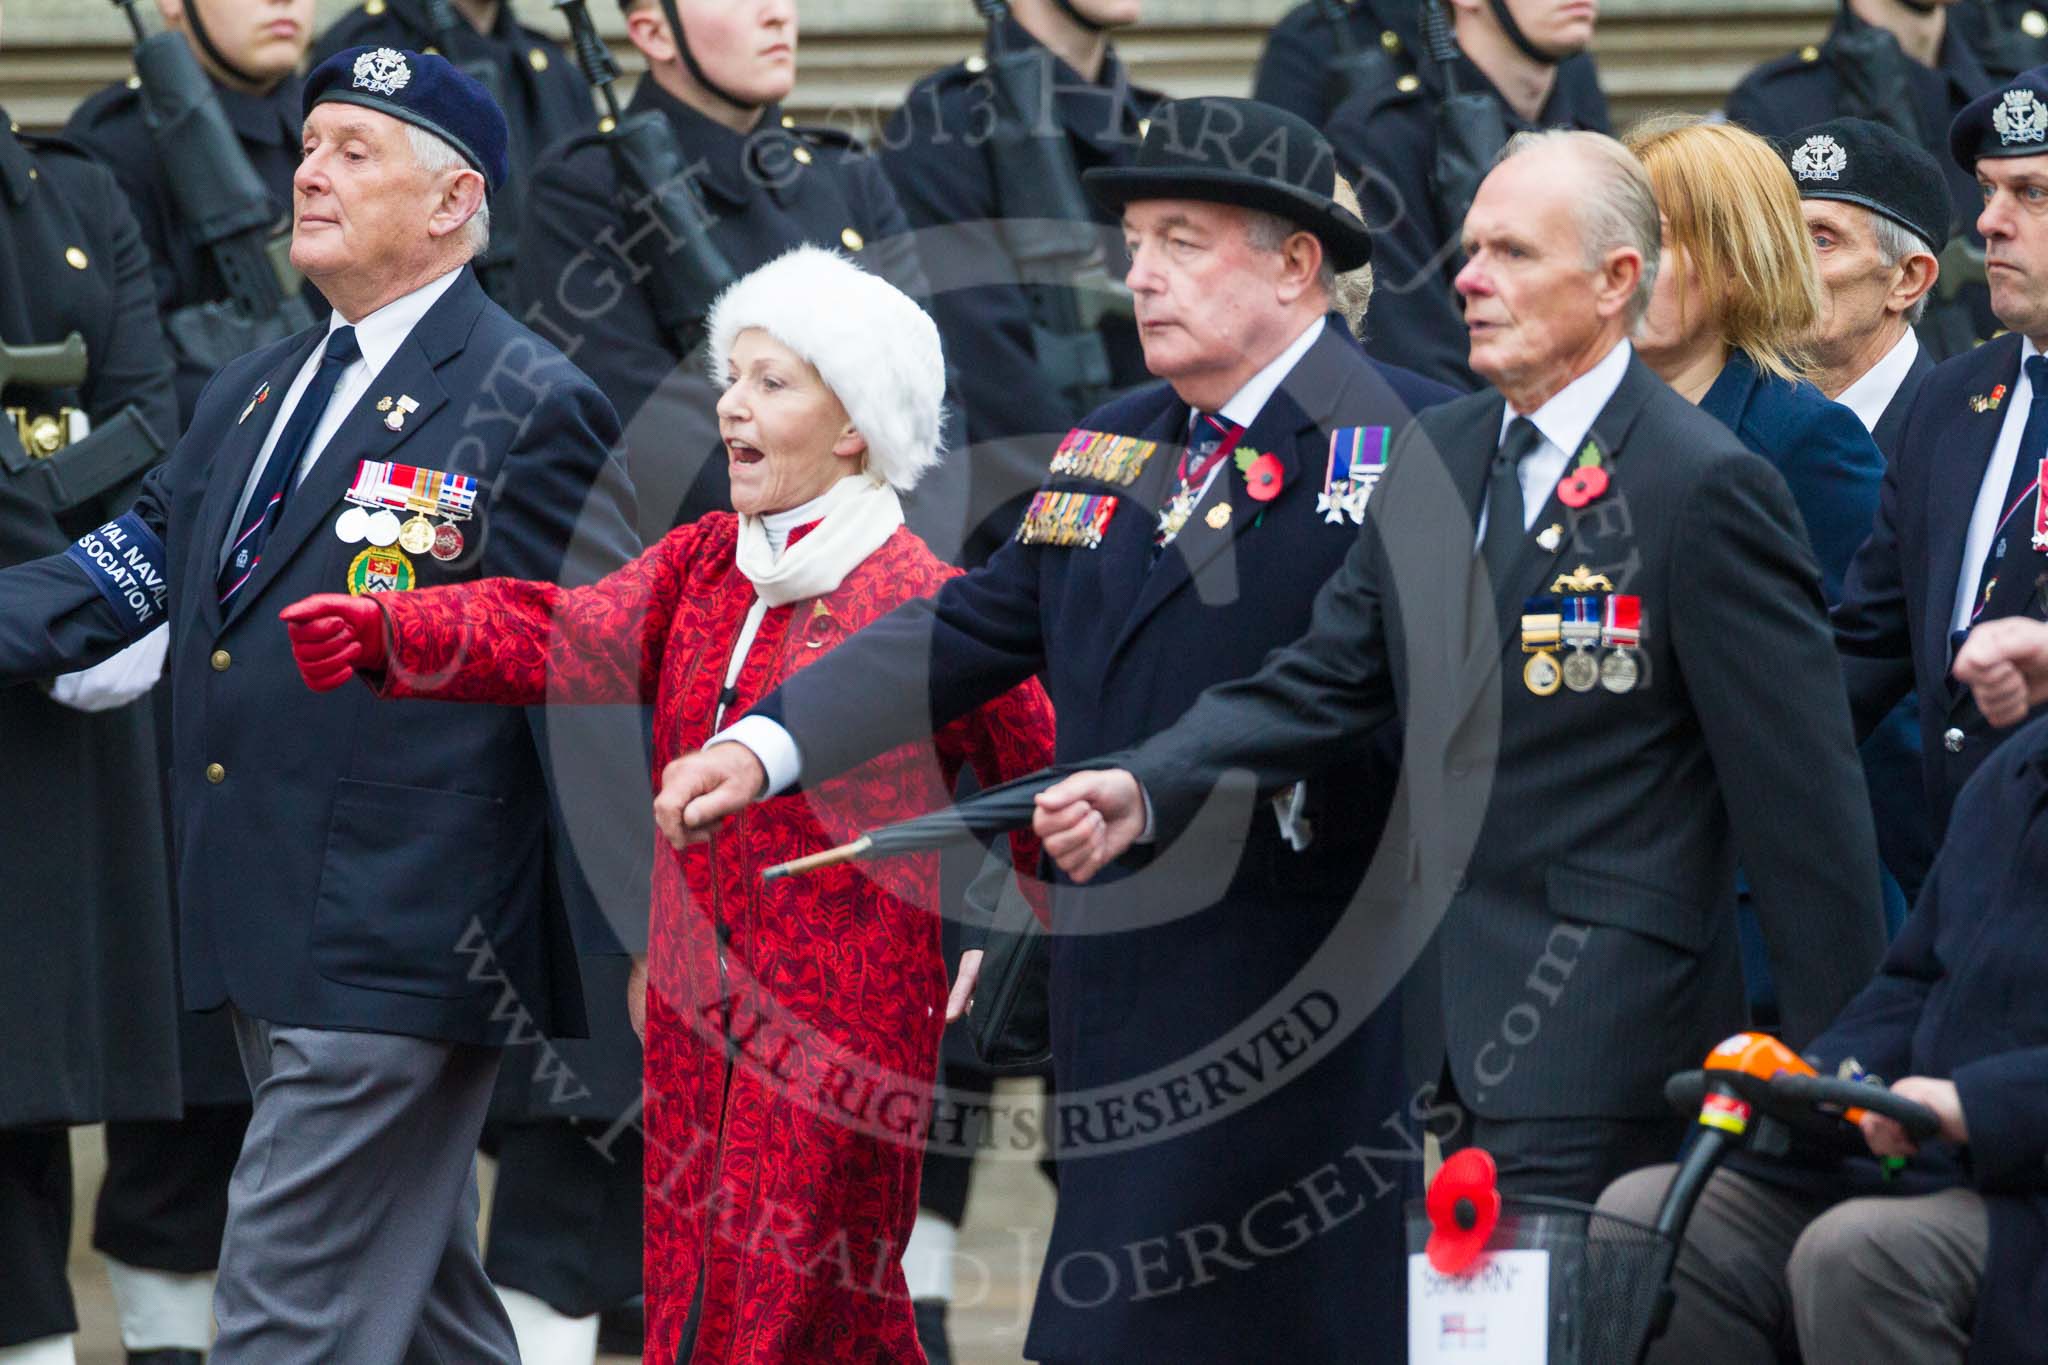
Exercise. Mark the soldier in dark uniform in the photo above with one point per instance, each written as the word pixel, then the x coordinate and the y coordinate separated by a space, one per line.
pixel 1912 69
pixel 251 52
pixel 1322 50
pixel 2010 36
pixel 544 97
pixel 565 1232
pixel 1387 140
pixel 86 975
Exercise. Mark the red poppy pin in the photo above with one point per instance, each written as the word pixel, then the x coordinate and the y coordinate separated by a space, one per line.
pixel 1464 1207
pixel 1263 474
pixel 1587 479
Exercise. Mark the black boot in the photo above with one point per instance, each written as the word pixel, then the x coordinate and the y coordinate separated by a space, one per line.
pixel 167 1356
pixel 931 1330
pixel 622 1331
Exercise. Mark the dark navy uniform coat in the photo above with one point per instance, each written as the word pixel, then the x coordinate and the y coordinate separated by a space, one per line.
pixel 1124 645
pixel 937 155
pixel 86 988
pixel 344 862
pixel 1801 88
pixel 110 125
pixel 1417 319
pixel 1293 71
pixel 1898 599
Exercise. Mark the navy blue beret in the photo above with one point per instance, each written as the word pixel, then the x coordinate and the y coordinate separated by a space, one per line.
pixel 1861 162
pixel 425 91
pixel 2009 121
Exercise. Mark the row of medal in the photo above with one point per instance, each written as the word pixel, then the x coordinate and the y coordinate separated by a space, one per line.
pixel 1582 625
pixel 382 490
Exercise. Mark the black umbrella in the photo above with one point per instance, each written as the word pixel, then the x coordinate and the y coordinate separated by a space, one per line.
pixel 992 811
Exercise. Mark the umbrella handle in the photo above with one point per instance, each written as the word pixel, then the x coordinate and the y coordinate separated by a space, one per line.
pixel 845 853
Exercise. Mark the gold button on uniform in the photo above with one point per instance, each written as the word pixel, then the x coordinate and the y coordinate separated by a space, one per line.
pixel 537 59
pixel 2034 24
pixel 977 64
pixel 75 258
pixel 1809 53
pixel 1408 84
pixel 1390 40
pixel 216 774
pixel 789 120
pixel 853 240
pixel 373 8
pixel 1144 127
pixel 802 155
pixel 221 660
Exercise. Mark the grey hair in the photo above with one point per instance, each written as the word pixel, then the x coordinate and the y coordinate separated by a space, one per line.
pixel 435 155
pixel 1616 208
pixel 1895 242
pixel 1269 232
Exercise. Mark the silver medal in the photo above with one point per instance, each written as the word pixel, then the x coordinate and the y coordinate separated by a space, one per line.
pixel 352 527
pixel 382 529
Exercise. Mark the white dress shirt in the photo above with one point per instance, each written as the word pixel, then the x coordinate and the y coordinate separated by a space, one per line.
pixel 1563 421
pixel 777 748
pixel 1991 493
pixel 1870 395
pixel 378 336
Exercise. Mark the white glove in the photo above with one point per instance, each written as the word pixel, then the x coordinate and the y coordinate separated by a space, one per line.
pixel 116 681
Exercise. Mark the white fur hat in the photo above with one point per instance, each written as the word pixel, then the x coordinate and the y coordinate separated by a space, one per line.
pixel 869 341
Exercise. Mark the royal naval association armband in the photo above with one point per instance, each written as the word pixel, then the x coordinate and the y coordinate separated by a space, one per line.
pixel 125 561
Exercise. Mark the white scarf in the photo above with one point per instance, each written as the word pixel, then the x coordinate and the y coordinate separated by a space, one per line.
pixel 858 514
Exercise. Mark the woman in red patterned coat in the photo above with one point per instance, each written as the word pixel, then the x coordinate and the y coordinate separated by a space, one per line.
pixel 791 1029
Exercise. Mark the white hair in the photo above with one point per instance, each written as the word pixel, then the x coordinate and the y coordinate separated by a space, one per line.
pixel 436 154
pixel 1615 206
pixel 1895 242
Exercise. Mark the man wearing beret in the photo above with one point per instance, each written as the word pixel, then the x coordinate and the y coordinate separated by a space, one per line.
pixel 1959 537
pixel 366 892
pixel 1878 211
pixel 1181 534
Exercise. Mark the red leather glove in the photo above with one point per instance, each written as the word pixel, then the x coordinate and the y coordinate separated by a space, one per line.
pixel 335 636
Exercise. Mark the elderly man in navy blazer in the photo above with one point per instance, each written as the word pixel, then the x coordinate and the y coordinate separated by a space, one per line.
pixel 365 889
pixel 1208 1210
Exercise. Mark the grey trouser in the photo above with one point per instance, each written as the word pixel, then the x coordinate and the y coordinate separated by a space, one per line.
pixel 351 1230
pixel 1891 1280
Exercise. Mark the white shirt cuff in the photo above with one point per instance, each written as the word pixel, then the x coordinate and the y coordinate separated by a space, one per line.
pixel 769 742
pixel 1149 834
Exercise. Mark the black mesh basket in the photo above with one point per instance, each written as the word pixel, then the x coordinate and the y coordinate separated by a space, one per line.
pixel 1607 1279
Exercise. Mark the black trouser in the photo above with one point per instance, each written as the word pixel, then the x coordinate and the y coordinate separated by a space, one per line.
pixel 1573 1158
pixel 35 1235
pixel 164 1204
pixel 565 1221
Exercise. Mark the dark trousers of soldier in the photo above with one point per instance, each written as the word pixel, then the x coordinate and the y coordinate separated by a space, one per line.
pixel 565 1218
pixel 164 1203
pixel 35 1235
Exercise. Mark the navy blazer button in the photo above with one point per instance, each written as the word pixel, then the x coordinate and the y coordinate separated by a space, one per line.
pixel 216 774
pixel 221 660
pixel 1952 740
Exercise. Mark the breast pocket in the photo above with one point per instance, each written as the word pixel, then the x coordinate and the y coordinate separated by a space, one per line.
pixel 408 876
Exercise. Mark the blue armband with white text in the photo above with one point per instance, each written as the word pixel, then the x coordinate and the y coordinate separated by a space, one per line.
pixel 126 562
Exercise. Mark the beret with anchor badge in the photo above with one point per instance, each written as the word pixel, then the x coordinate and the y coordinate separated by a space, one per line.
pixel 1861 162
pixel 2009 121
pixel 425 91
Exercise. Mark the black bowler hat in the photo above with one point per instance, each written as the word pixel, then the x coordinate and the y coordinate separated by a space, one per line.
pixel 1242 152
pixel 425 91
pixel 1861 162
pixel 2009 121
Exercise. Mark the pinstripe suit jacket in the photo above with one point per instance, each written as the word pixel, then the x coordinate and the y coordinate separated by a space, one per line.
pixel 1584 844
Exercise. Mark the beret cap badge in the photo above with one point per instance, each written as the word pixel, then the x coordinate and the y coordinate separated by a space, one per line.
pixel 382 72
pixel 1820 157
pixel 2020 117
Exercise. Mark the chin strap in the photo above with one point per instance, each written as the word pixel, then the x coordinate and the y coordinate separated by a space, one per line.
pixel 213 54
pixel 1520 39
pixel 690 63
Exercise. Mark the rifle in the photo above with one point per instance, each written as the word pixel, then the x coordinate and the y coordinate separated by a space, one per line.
pixel 1351 68
pixel 60 476
pixel 453 35
pixel 1471 129
pixel 692 272
pixel 1054 238
pixel 219 196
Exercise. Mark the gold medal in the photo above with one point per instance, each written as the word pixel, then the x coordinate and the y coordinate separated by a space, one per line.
pixel 416 537
pixel 1219 516
pixel 1619 671
pixel 1581 671
pixel 1540 674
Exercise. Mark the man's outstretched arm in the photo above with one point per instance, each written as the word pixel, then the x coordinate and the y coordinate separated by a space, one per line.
pixel 89 601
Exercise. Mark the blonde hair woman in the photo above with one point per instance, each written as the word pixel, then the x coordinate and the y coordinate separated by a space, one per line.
pixel 1736 294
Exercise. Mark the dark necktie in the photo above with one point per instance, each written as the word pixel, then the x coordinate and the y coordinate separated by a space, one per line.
pixel 2009 581
pixel 1504 529
pixel 274 485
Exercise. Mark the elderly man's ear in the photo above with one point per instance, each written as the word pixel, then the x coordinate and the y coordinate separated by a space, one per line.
pixel 1620 272
pixel 1918 273
pixel 460 200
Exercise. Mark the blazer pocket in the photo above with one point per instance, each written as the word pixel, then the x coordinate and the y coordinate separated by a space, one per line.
pixel 407 872
pixel 1602 898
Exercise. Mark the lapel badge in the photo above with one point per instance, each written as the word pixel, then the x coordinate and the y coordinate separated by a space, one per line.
pixel 1219 516
pixel 1987 402
pixel 1582 580
pixel 1358 456
pixel 1551 538
pixel 262 395
pixel 384 403
pixel 1586 480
